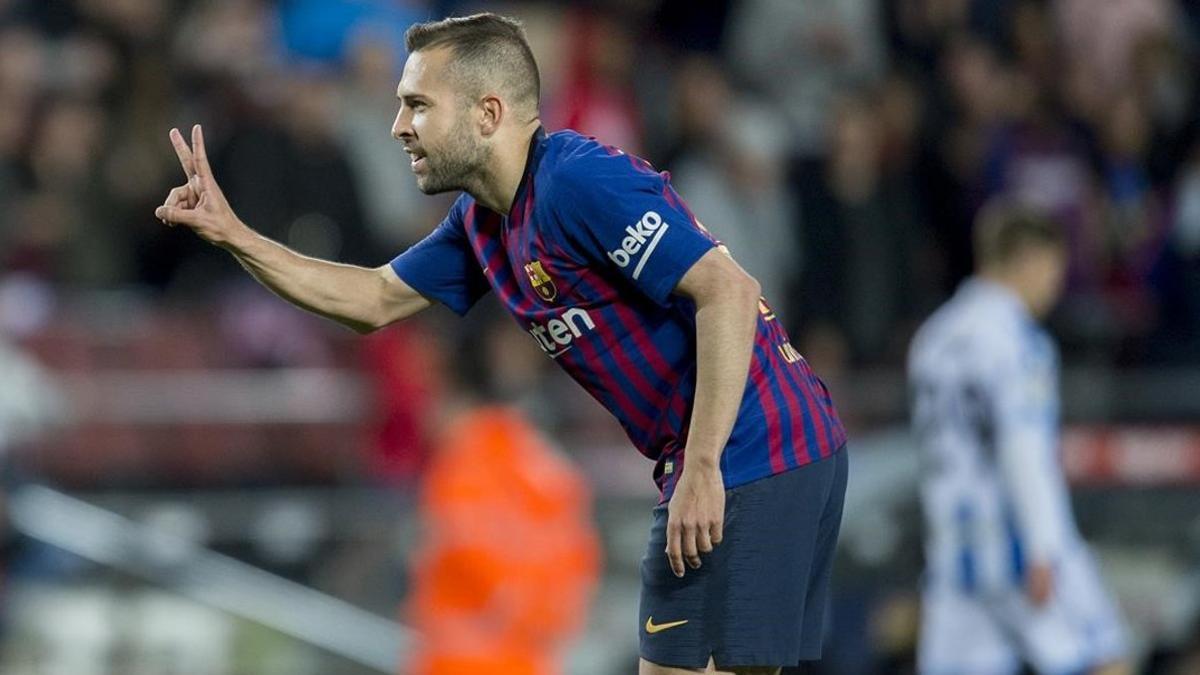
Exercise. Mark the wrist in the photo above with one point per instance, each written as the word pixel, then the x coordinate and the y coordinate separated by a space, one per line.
pixel 239 238
pixel 702 463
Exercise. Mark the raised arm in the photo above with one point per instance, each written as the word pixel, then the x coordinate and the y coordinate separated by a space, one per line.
pixel 361 298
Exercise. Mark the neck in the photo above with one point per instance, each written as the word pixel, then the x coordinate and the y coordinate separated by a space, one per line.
pixel 498 186
pixel 1011 281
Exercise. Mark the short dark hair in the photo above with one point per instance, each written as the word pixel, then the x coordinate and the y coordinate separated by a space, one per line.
pixel 1004 229
pixel 488 49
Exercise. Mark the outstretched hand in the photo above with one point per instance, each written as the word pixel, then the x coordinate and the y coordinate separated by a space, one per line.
pixel 199 203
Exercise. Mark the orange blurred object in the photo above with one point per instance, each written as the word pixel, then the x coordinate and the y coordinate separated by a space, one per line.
pixel 510 559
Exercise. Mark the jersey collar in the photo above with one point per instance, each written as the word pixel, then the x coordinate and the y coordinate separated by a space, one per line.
pixel 537 148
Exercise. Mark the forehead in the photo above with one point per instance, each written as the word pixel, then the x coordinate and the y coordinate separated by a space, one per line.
pixel 425 72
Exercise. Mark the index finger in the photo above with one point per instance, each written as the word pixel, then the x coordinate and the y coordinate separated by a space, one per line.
pixel 183 153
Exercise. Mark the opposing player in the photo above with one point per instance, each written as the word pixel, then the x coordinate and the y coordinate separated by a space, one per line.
pixel 1008 577
pixel 597 257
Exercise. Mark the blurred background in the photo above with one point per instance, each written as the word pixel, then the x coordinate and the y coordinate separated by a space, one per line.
pixel 199 479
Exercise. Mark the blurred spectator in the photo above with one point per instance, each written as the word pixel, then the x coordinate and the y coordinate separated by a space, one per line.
pixel 1178 333
pixel 231 38
pixel 506 520
pixel 969 108
pixel 1032 43
pixel 65 156
pixel 802 54
pixel 396 211
pixel 1166 85
pixel 292 181
pixel 596 92
pixel 1135 216
pixel 405 365
pixel 731 166
pixel 328 30
pixel 1099 40
pixel 860 232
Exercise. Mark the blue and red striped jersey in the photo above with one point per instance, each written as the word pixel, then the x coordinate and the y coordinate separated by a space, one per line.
pixel 586 262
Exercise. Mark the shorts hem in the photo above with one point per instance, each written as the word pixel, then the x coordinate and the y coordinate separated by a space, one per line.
pixel 731 661
pixel 770 659
pixel 668 662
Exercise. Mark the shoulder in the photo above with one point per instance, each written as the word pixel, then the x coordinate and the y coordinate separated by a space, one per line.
pixel 940 341
pixel 968 331
pixel 578 167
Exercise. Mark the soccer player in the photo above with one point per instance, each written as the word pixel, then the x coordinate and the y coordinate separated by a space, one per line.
pixel 1008 578
pixel 595 255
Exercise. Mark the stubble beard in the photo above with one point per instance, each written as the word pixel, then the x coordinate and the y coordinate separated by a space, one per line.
pixel 460 165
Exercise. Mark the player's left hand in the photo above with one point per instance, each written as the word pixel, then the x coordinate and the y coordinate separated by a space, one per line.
pixel 1040 585
pixel 695 516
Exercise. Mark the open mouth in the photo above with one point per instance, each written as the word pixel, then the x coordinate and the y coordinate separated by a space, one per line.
pixel 417 159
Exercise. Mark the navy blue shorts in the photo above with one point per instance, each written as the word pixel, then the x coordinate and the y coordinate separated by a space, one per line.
pixel 759 598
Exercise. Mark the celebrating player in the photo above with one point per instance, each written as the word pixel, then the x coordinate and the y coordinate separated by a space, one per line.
pixel 1008 577
pixel 597 257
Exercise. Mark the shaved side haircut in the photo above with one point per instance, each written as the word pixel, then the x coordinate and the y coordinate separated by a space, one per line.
pixel 491 53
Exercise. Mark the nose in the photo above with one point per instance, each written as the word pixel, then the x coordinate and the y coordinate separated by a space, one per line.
pixel 402 127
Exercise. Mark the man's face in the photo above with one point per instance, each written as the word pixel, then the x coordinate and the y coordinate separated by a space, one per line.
pixel 434 124
pixel 1044 271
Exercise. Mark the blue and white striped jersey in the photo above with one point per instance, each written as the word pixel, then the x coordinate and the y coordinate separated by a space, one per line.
pixel 984 382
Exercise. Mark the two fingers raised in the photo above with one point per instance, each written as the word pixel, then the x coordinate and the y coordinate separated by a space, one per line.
pixel 194 161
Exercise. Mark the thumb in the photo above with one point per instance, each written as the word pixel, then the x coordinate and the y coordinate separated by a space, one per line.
pixel 175 214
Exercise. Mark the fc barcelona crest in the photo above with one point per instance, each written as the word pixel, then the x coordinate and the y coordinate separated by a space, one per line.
pixel 542 283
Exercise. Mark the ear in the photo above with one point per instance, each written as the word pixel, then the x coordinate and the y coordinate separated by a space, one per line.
pixel 491 113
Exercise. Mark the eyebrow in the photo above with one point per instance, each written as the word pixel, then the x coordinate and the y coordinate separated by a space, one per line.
pixel 412 98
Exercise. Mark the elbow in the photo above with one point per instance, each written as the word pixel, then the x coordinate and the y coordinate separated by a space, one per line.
pixel 717 280
pixel 742 288
pixel 737 291
pixel 369 324
pixel 734 288
pixel 363 328
pixel 751 288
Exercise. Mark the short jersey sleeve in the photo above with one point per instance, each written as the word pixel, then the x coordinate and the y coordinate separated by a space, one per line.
pixel 443 266
pixel 615 210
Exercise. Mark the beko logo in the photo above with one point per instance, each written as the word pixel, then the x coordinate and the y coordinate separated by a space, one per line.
pixel 644 234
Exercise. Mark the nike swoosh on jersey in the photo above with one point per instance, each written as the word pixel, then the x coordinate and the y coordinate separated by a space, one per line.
pixel 652 628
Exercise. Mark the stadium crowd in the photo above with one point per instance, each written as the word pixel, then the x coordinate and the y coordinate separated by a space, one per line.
pixel 840 148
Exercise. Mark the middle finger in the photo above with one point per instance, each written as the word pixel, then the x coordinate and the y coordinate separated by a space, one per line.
pixel 690 554
pixel 184 153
